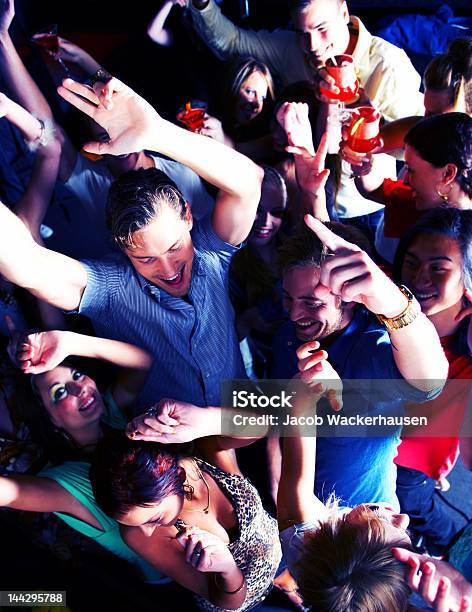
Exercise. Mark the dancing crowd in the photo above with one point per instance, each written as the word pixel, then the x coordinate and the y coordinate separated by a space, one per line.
pixel 308 221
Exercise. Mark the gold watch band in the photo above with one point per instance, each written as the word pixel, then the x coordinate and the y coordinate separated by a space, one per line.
pixel 406 317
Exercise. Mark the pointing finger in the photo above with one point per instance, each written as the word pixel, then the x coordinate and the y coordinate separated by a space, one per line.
pixel 328 237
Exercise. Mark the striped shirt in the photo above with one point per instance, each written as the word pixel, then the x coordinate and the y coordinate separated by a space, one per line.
pixel 194 344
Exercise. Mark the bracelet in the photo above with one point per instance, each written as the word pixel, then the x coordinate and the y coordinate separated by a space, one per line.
pixel 100 76
pixel 47 134
pixel 240 587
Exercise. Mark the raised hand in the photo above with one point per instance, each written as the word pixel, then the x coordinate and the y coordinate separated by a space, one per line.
pixel 213 128
pixel 293 117
pixel 67 51
pixel 129 120
pixel 205 551
pixel 319 374
pixel 322 79
pixel 7 12
pixel 352 275
pixel 37 352
pixel 172 422
pixel 310 168
pixel 440 585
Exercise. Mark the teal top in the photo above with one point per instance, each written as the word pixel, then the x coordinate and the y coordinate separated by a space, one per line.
pixel 74 477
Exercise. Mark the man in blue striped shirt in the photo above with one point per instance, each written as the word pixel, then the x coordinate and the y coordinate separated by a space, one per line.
pixel 167 292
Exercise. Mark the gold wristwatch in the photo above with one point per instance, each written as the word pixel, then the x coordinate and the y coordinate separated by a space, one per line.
pixel 406 317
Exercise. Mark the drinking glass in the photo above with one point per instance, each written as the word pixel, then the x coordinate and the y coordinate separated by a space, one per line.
pixel 341 68
pixel 193 115
pixel 48 39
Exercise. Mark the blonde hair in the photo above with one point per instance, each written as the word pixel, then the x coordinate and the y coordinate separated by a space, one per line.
pixel 243 69
pixel 349 567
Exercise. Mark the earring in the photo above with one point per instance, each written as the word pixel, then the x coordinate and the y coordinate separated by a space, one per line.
pixel 188 491
pixel 443 196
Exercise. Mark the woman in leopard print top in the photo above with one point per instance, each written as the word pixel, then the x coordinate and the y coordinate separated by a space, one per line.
pixel 227 551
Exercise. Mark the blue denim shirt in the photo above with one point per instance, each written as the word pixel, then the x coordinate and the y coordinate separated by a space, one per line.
pixel 194 344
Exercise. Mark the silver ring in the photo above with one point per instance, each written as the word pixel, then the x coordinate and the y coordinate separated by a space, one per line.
pixel 151 412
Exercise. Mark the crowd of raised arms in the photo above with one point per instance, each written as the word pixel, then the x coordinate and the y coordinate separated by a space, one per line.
pixel 308 221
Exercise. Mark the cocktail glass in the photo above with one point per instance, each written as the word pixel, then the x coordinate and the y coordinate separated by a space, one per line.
pixel 193 115
pixel 363 131
pixel 363 136
pixel 341 68
pixel 48 39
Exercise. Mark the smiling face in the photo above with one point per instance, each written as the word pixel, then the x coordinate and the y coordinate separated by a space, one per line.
pixel 162 514
pixel 424 178
pixel 322 30
pixel 269 215
pixel 432 269
pixel 163 251
pixel 314 310
pixel 251 97
pixel 70 397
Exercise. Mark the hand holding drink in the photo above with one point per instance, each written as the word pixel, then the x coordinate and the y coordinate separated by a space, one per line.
pixel 346 86
pixel 363 132
pixel 192 117
pixel 48 39
pixel 361 137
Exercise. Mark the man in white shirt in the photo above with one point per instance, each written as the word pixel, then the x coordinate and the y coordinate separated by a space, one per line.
pixel 323 28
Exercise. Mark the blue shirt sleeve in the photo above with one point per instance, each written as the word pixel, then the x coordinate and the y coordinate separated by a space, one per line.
pixel 205 239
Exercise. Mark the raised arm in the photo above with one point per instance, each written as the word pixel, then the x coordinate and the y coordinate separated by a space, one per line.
pixel 352 275
pixel 156 29
pixel 296 502
pixel 133 125
pixel 227 40
pixel 23 88
pixel 38 494
pixel 40 137
pixel 309 164
pixel 42 351
pixel 49 276
pixel 72 53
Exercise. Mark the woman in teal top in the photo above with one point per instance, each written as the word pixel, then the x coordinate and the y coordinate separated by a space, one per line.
pixel 75 414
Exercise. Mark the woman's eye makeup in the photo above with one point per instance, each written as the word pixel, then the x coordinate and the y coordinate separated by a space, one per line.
pixel 57 393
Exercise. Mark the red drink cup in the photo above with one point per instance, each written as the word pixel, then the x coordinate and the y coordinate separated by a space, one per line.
pixel 345 78
pixel 192 118
pixel 363 131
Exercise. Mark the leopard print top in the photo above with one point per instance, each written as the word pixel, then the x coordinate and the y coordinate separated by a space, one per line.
pixel 257 550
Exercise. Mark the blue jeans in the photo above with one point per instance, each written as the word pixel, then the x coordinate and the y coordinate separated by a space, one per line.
pixel 416 493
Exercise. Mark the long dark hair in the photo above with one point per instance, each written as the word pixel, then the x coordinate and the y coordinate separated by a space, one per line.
pixel 455 224
pixel 452 70
pixel 446 139
pixel 127 473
